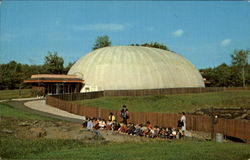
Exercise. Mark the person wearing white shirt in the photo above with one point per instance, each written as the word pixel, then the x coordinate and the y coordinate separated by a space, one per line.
pixel 183 119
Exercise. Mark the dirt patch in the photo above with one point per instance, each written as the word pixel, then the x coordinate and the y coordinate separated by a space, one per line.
pixel 227 113
pixel 37 129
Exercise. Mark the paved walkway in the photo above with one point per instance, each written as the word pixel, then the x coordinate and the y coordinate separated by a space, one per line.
pixel 40 105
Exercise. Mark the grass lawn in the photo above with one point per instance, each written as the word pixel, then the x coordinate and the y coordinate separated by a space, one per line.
pixel 10 94
pixel 173 103
pixel 8 111
pixel 73 149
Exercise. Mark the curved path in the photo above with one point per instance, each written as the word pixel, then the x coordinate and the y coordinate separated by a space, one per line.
pixel 35 107
pixel 41 105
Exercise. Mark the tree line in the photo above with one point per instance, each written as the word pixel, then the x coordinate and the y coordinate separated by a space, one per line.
pixel 153 45
pixel 104 41
pixel 234 75
pixel 13 73
pixel 225 76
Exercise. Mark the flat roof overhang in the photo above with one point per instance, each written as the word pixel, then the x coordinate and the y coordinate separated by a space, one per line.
pixel 52 81
pixel 54 78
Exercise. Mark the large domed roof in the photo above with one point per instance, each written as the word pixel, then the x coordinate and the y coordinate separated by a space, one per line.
pixel 135 67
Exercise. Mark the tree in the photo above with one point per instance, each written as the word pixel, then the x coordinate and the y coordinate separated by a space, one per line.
pixel 240 59
pixel 223 72
pixel 222 76
pixel 53 63
pixel 10 75
pixel 153 45
pixel 101 41
pixel 66 70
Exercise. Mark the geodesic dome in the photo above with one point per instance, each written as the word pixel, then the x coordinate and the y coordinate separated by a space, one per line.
pixel 135 67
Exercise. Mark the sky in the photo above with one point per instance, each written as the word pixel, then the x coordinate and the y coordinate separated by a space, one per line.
pixel 205 33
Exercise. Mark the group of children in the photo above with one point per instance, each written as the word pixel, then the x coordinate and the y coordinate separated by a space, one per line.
pixel 146 130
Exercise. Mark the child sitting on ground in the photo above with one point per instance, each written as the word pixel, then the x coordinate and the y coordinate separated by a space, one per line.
pixel 163 132
pixel 112 118
pixel 131 128
pixel 102 124
pixel 84 122
pixel 90 124
pixel 123 128
pixel 96 123
pixel 138 131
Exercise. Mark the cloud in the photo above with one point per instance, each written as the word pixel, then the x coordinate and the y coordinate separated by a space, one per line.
pixel 178 33
pixel 101 27
pixel 226 42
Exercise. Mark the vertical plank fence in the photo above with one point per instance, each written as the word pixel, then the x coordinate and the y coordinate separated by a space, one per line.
pixel 234 128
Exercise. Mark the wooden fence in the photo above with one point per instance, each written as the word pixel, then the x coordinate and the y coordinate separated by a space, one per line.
pixel 162 91
pixel 233 128
pixel 144 92
pixel 79 96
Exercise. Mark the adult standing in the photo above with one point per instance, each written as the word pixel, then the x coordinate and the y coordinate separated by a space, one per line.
pixel 183 120
pixel 124 114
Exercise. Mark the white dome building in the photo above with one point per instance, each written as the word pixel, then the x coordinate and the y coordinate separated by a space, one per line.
pixel 135 67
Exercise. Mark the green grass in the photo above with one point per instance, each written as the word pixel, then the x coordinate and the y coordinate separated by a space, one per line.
pixel 73 149
pixel 173 103
pixel 21 148
pixel 8 111
pixel 10 94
